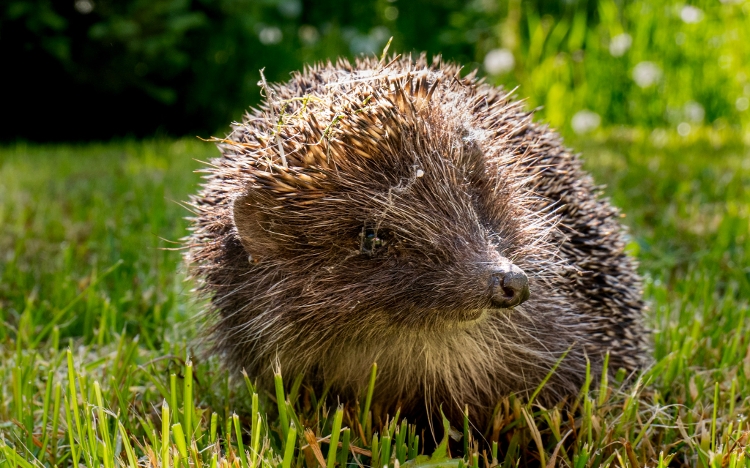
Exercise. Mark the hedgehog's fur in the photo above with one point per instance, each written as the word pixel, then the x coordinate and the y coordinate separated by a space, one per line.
pixel 453 174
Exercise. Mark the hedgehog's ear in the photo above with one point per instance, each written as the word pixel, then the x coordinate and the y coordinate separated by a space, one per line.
pixel 247 221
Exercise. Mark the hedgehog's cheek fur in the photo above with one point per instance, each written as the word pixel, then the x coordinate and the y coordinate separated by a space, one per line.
pixel 247 221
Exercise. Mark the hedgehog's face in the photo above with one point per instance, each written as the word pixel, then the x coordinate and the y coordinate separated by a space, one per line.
pixel 423 230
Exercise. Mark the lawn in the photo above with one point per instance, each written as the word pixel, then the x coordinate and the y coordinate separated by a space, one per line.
pixel 100 362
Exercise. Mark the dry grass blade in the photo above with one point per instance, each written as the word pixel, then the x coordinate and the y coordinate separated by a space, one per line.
pixel 312 444
pixel 553 457
pixel 631 454
pixel 535 434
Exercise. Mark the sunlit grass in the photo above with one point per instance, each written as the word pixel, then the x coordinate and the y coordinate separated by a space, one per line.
pixel 98 364
pixel 655 63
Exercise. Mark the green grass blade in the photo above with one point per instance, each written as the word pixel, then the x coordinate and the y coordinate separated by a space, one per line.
pixel 240 445
pixel 256 441
pixel 345 444
pixel 368 399
pixel 108 455
pixel 70 430
pixel 546 378
pixel 335 431
pixel 291 439
pixel 165 446
pixel 178 435
pixel 281 404
pixel 132 460
pixel 187 398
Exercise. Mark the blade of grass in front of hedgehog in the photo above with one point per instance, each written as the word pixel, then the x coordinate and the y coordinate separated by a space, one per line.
pixel 385 451
pixel 401 432
pixel 466 430
pixel 281 404
pixel 240 445
pixel 345 441
pixel 535 434
pixel 547 377
pixel 296 385
pixel 291 440
pixel 604 383
pixel 253 421
pixel 335 432
pixel 586 385
pixel 413 441
pixel 256 439
pixel 248 384
pixel 393 423
pixel 363 417
pixel 588 410
pixel 187 398
pixel 375 450
pixel 295 421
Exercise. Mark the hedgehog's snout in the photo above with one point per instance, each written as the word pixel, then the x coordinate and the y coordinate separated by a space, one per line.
pixel 509 286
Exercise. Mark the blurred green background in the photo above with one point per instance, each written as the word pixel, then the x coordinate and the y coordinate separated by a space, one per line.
pixel 97 69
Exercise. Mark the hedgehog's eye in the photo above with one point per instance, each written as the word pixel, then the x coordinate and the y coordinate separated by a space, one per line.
pixel 373 242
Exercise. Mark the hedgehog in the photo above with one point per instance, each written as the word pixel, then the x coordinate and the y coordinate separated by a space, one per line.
pixel 396 212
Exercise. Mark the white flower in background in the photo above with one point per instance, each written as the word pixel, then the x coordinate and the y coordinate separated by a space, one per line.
pixel 270 35
pixel 683 129
pixel 691 14
pixel 742 103
pixel 84 6
pixel 499 61
pixel 585 121
pixel 290 8
pixel 308 34
pixel 694 112
pixel 659 137
pixel 674 114
pixel 391 13
pixel 646 74
pixel 620 44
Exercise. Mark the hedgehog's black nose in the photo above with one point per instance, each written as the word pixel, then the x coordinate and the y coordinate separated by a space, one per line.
pixel 510 286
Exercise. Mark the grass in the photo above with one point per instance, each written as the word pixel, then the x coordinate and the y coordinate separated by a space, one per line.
pixel 698 52
pixel 97 364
